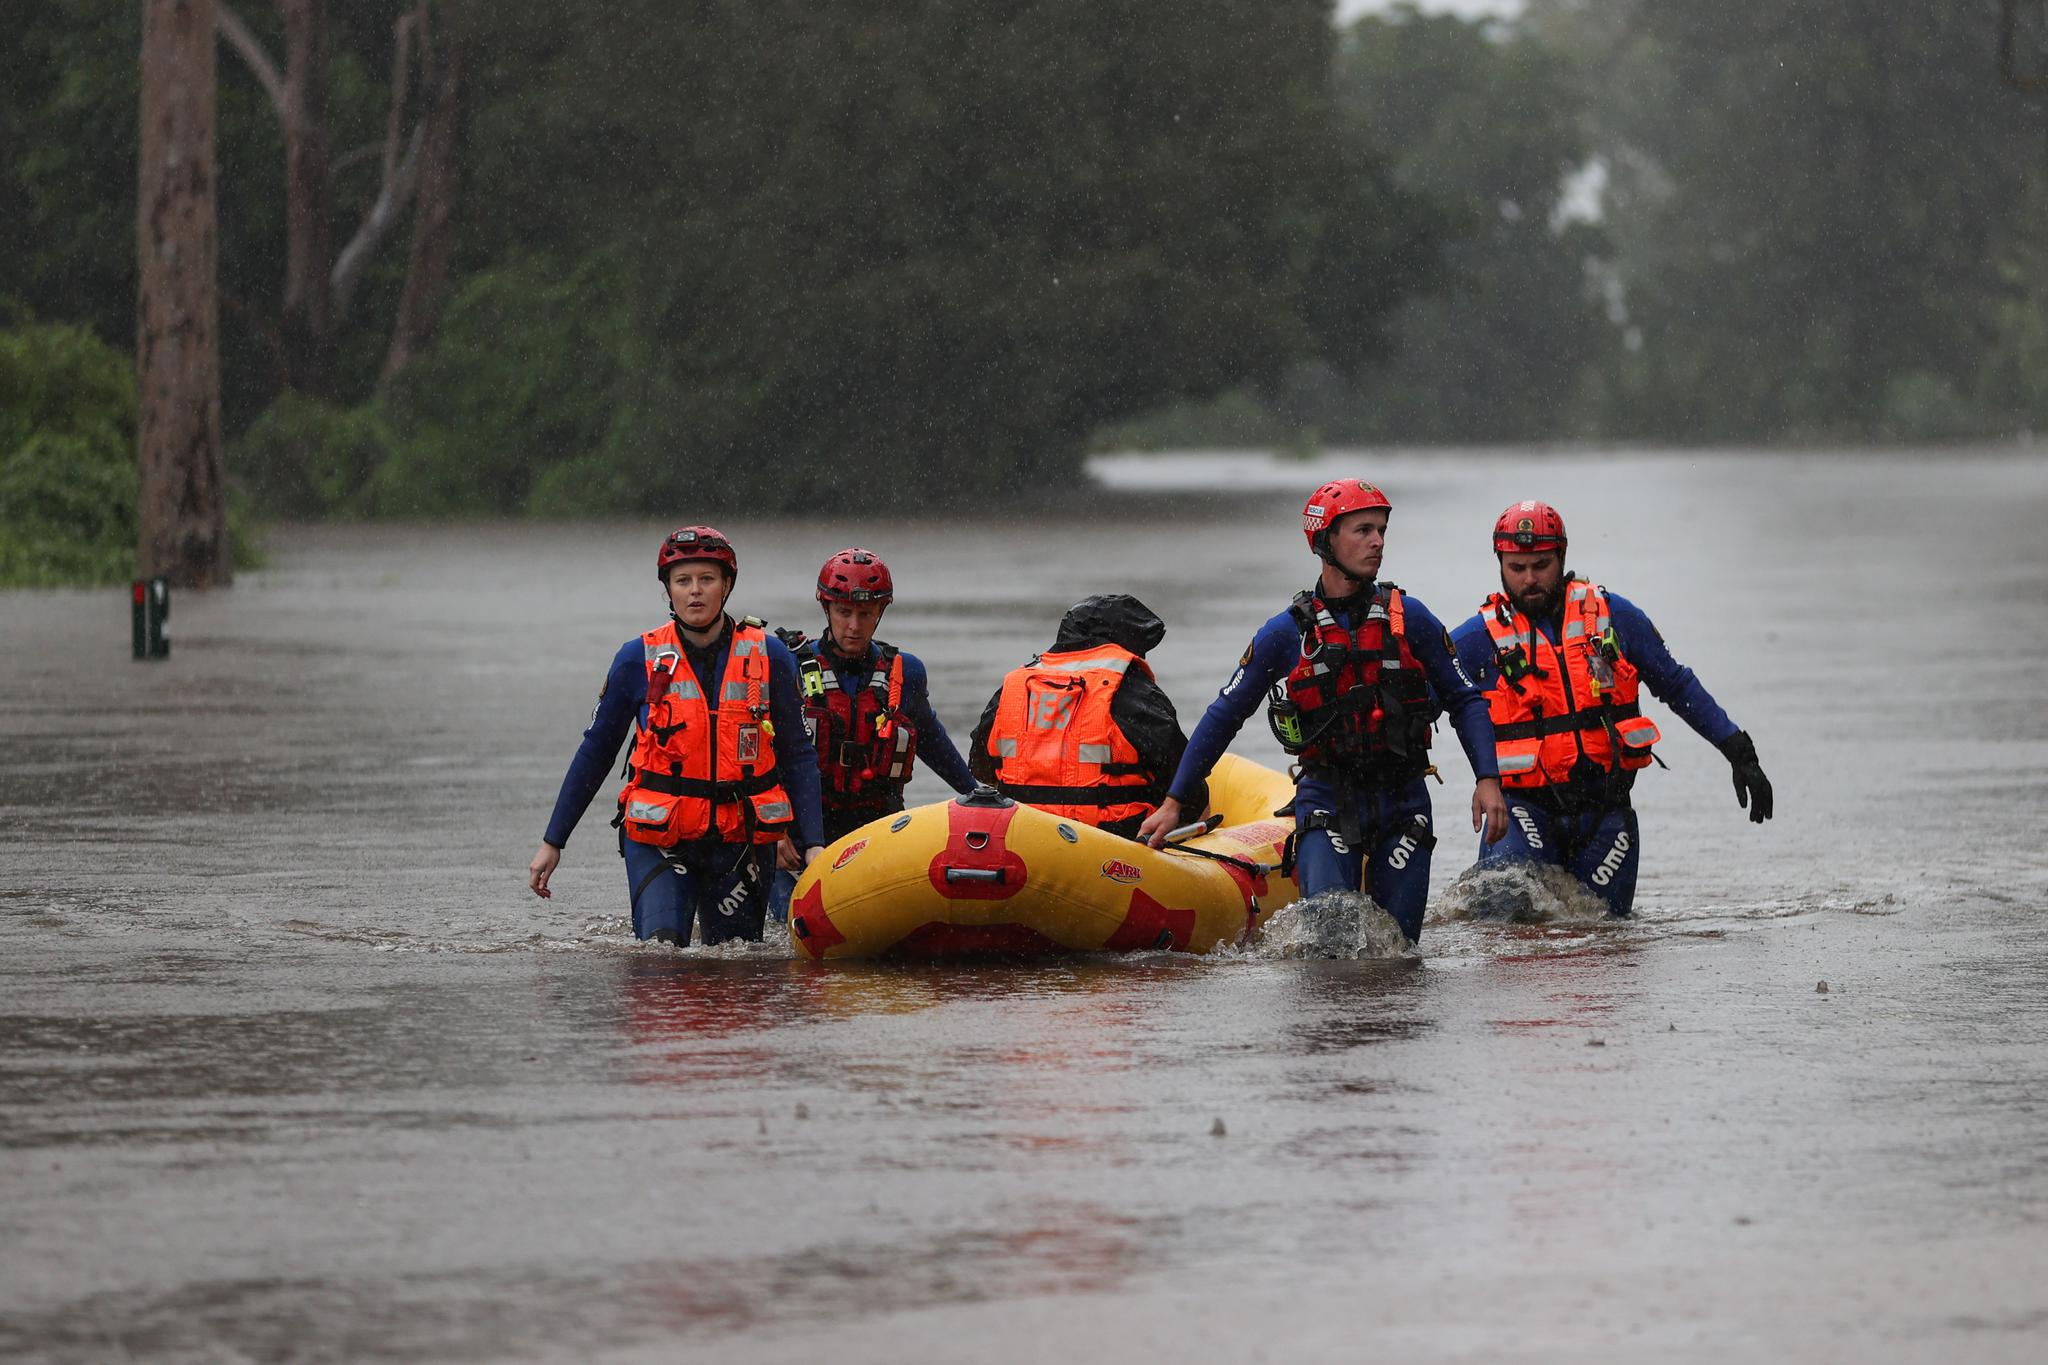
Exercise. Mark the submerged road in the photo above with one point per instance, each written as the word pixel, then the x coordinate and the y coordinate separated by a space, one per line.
pixel 292 1068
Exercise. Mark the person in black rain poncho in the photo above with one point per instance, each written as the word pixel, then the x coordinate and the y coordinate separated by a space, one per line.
pixel 1083 730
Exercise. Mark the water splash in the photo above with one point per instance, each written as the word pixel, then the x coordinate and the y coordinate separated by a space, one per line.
pixel 1525 893
pixel 1341 925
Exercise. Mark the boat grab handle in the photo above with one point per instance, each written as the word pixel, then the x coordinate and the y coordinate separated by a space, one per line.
pixel 975 874
pixel 1189 831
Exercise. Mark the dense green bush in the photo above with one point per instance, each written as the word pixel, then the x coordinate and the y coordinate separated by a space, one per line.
pixel 67 461
pixel 520 407
pixel 306 458
pixel 67 458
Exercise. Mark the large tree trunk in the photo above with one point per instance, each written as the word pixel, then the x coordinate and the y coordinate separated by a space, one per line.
pixel 181 505
pixel 309 202
pixel 439 184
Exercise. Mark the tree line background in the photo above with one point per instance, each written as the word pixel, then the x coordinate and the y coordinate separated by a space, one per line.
pixel 526 257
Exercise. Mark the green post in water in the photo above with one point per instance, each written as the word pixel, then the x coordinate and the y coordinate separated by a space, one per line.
pixel 150 611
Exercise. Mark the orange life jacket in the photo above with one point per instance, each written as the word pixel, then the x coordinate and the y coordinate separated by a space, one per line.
pixel 865 745
pixel 1056 746
pixel 1357 701
pixel 702 771
pixel 1554 704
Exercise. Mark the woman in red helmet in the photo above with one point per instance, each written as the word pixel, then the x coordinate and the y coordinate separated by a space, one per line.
pixel 721 768
pixel 1356 672
pixel 866 703
pixel 1561 661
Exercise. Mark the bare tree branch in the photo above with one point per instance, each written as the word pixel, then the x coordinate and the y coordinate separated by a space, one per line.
pixel 401 82
pixel 349 158
pixel 425 294
pixel 230 26
pixel 401 173
pixel 383 214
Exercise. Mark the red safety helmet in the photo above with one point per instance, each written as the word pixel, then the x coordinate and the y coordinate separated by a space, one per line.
pixel 1332 501
pixel 1528 527
pixel 696 542
pixel 856 575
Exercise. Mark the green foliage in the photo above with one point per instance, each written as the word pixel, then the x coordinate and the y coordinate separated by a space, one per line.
pixel 1483 322
pixel 67 459
pixel 1817 204
pixel 2012 383
pixel 762 254
pixel 534 373
pixel 68 97
pixel 307 458
pixel 1484 120
pixel 903 250
pixel 1234 419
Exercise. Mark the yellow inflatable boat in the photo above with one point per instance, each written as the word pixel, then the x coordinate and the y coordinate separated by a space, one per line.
pixel 972 878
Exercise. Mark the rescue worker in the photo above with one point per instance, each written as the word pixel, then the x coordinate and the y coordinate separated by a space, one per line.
pixel 869 713
pixel 721 770
pixel 1562 661
pixel 1354 674
pixel 1083 730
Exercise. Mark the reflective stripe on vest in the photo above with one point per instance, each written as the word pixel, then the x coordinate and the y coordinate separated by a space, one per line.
pixel 1054 663
pixel 1057 745
pixel 718 765
pixel 1551 712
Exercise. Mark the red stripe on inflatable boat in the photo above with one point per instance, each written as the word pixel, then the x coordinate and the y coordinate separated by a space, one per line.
pixel 1251 888
pixel 1148 924
pixel 967 940
pixel 815 930
pixel 975 847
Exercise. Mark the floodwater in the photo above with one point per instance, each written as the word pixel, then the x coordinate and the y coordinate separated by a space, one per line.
pixel 293 1068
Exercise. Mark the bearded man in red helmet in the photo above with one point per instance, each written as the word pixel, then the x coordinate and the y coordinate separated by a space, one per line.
pixel 1562 661
pixel 722 769
pixel 1354 672
pixel 867 706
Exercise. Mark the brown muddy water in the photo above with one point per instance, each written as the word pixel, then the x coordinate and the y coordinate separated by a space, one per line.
pixel 292 1068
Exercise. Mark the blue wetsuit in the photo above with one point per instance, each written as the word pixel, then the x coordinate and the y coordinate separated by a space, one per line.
pixel 935 750
pixel 1391 861
pixel 723 887
pixel 1590 827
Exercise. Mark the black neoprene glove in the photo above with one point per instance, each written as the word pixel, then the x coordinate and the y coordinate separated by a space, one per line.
pixel 1752 788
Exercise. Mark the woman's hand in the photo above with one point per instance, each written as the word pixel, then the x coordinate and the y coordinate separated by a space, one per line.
pixel 542 868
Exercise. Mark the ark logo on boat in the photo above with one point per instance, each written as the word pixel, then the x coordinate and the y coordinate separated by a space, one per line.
pixel 848 854
pixel 1117 870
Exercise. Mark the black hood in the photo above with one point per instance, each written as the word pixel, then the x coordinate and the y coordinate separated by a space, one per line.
pixel 1114 618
